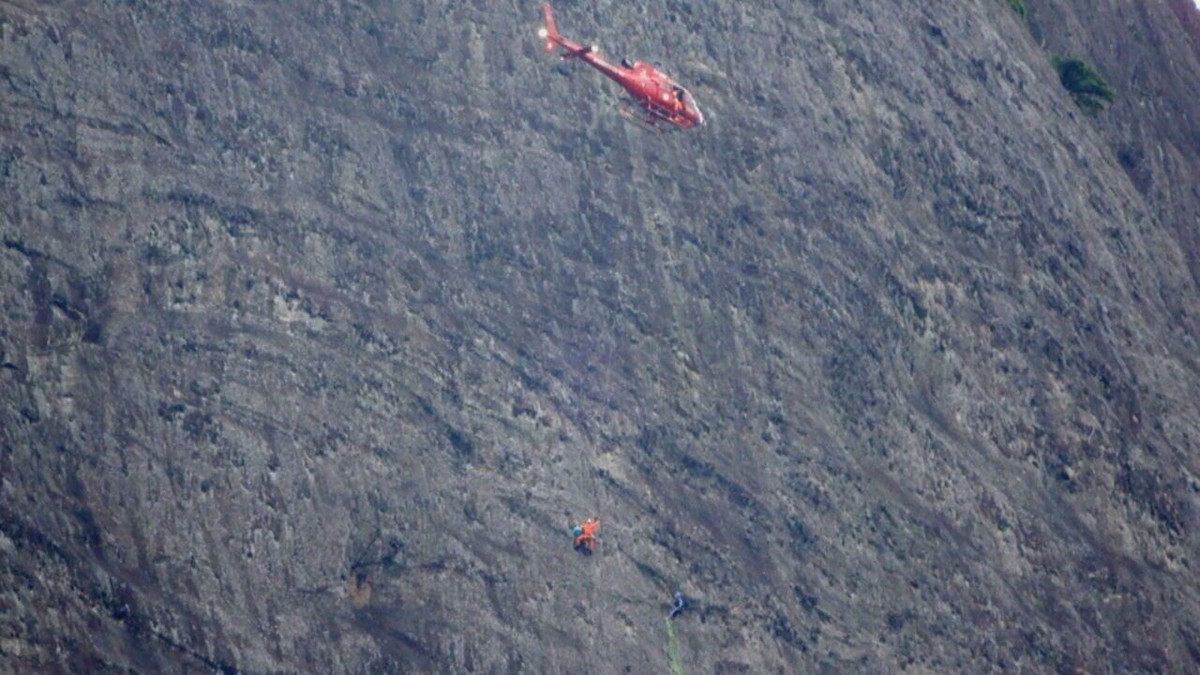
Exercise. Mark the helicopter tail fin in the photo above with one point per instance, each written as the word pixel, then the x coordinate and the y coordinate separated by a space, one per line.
pixel 550 34
pixel 551 29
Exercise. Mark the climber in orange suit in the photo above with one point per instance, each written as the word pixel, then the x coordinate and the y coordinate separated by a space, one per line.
pixel 585 535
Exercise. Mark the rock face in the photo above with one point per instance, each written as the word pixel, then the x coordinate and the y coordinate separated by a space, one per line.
pixel 320 324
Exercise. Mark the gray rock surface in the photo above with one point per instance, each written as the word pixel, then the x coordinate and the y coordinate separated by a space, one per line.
pixel 321 322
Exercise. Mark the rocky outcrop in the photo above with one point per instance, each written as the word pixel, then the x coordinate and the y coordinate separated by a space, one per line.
pixel 323 322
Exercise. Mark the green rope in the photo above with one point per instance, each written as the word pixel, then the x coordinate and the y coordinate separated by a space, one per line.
pixel 673 649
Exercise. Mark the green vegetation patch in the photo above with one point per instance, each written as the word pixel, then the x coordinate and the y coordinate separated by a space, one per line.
pixel 1018 7
pixel 1089 90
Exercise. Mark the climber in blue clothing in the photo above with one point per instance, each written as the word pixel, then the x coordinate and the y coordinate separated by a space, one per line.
pixel 679 605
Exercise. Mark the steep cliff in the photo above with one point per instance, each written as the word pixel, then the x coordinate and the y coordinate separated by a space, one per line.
pixel 323 322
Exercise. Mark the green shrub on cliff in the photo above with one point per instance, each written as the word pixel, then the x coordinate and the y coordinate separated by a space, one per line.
pixel 1089 90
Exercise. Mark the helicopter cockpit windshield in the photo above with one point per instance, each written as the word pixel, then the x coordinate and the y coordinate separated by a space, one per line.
pixel 691 110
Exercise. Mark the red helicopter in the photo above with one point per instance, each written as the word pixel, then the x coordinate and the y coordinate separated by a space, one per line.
pixel 662 101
